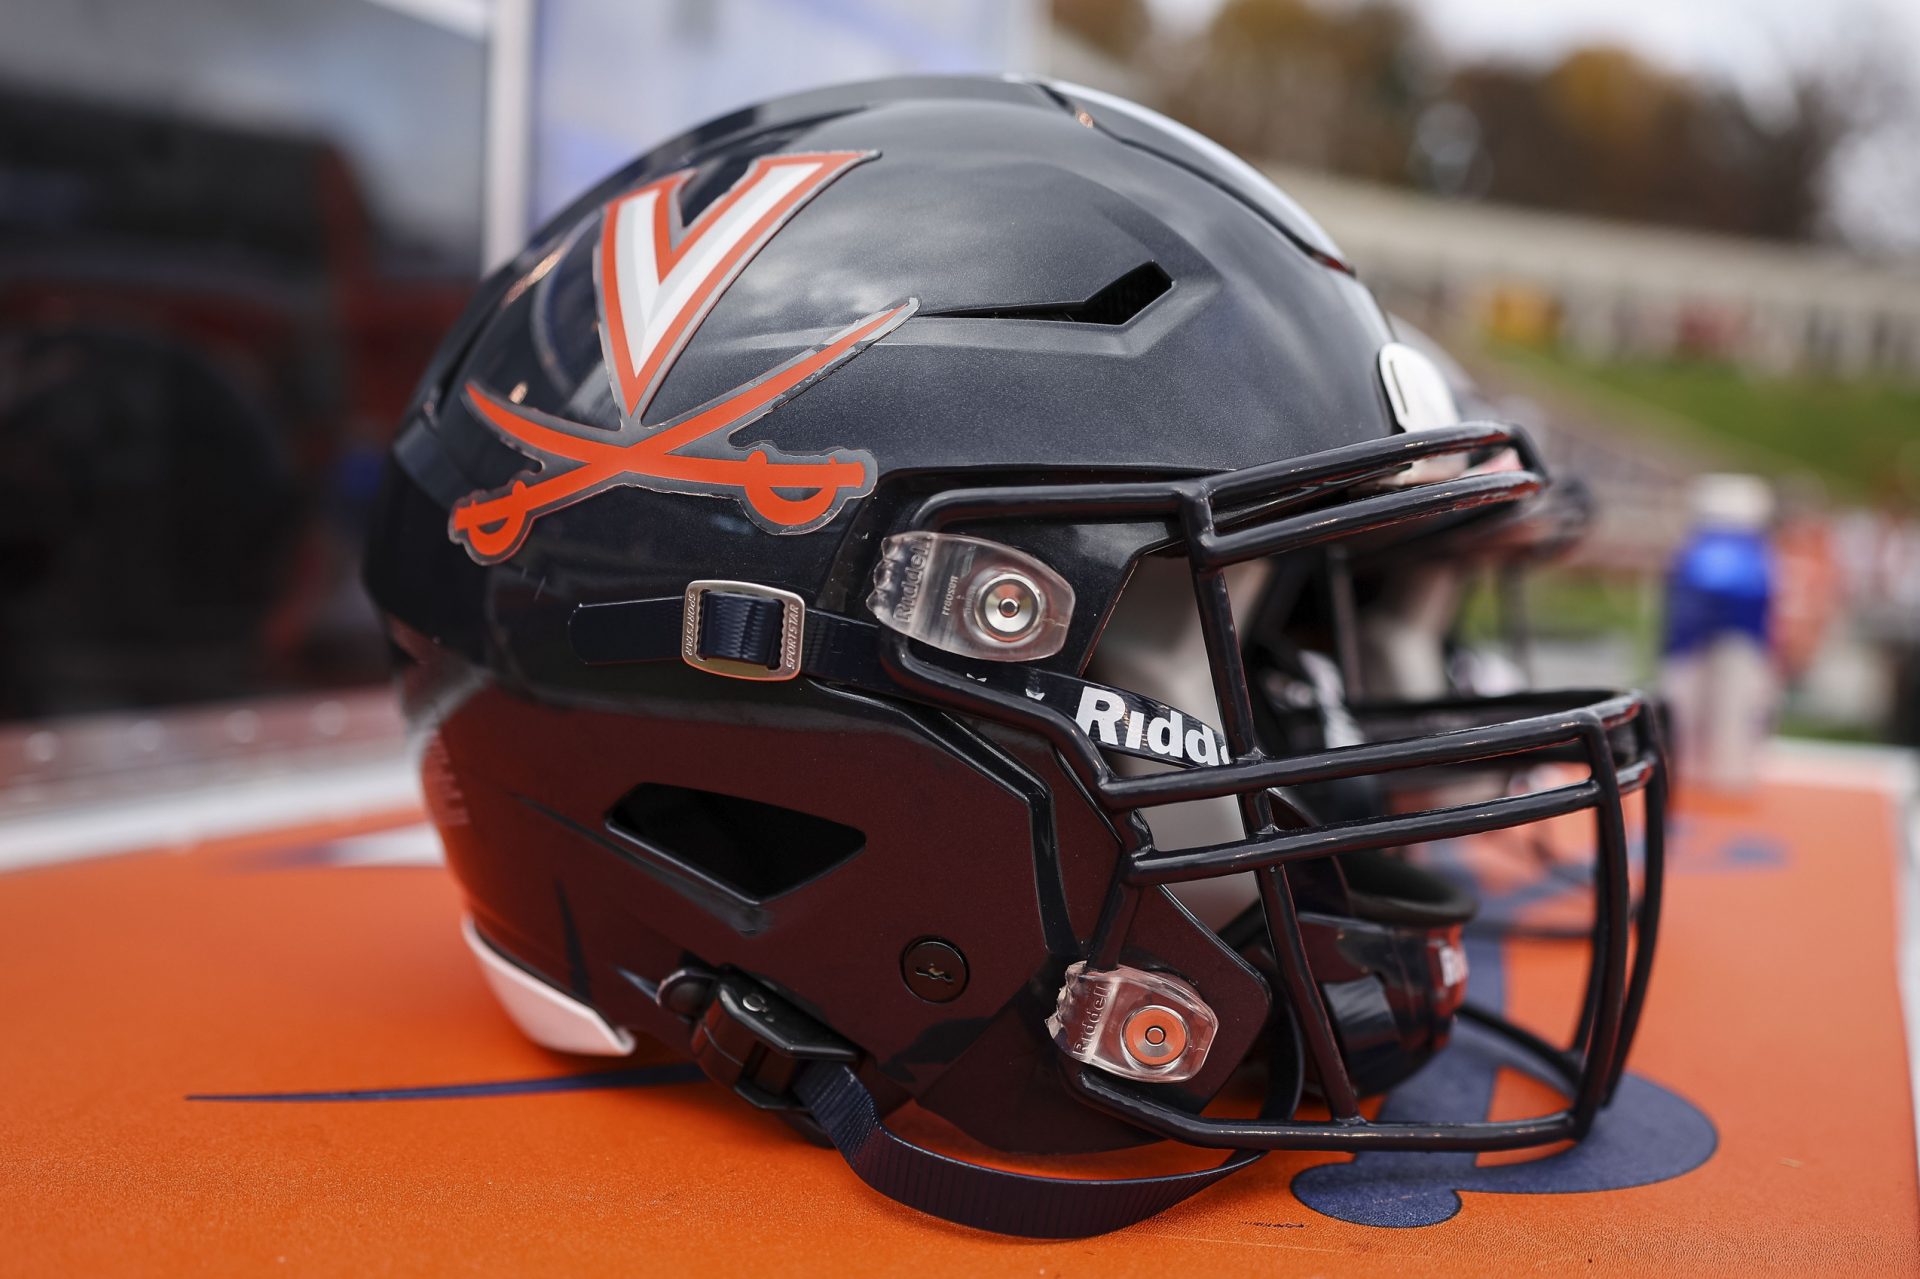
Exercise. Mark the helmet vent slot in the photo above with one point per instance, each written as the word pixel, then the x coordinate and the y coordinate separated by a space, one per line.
pixel 1117 303
pixel 756 850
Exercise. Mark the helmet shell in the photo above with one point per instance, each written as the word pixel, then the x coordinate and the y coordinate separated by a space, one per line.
pixel 1094 294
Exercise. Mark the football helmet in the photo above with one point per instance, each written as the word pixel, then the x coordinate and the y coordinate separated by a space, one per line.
pixel 831 559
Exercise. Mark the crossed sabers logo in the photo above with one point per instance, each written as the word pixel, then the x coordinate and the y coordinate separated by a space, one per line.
pixel 656 281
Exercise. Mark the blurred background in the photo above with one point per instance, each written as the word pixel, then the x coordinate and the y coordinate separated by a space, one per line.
pixel 1671 239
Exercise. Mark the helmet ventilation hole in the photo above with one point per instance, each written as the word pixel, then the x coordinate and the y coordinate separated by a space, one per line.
pixel 1117 303
pixel 756 850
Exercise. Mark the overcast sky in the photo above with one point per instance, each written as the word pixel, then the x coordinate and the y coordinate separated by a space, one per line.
pixel 1754 44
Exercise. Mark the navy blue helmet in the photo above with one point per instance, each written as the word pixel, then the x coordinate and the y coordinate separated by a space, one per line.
pixel 877 582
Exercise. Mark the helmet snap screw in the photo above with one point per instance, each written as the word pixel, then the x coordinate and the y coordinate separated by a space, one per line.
pixel 1009 606
pixel 1155 1035
pixel 934 969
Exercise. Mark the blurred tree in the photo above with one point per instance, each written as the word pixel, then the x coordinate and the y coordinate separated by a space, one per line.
pixel 1117 28
pixel 1292 81
pixel 1356 87
pixel 1605 133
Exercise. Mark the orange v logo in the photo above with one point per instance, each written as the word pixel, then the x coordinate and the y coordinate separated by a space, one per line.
pixel 657 280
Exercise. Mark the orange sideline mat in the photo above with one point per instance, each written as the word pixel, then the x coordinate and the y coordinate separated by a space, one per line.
pixel 251 1057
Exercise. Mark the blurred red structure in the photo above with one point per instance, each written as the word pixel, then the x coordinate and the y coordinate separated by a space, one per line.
pixel 204 340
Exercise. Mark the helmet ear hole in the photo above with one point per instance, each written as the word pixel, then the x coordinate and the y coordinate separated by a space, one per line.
pixel 1388 889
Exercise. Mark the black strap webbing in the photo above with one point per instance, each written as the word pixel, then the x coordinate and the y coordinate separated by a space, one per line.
pixel 1009 1203
pixel 741 628
pixel 845 650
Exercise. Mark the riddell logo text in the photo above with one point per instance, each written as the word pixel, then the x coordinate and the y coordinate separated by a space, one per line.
pixel 1106 717
pixel 1090 1018
pixel 911 582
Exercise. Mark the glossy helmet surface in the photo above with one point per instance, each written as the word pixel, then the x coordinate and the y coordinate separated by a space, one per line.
pixel 749 545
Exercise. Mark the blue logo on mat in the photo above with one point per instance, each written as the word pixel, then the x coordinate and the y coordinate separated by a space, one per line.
pixel 1648 1134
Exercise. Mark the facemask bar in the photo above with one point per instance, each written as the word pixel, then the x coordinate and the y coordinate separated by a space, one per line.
pixel 1242 515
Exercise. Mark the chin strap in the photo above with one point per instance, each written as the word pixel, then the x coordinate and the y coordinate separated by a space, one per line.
pixel 1008 1203
pixel 778 1058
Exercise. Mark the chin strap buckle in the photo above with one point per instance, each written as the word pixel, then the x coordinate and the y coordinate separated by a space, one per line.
pixel 756 1043
pixel 742 630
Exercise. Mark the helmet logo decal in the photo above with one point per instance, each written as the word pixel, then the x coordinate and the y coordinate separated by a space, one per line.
pixel 657 279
